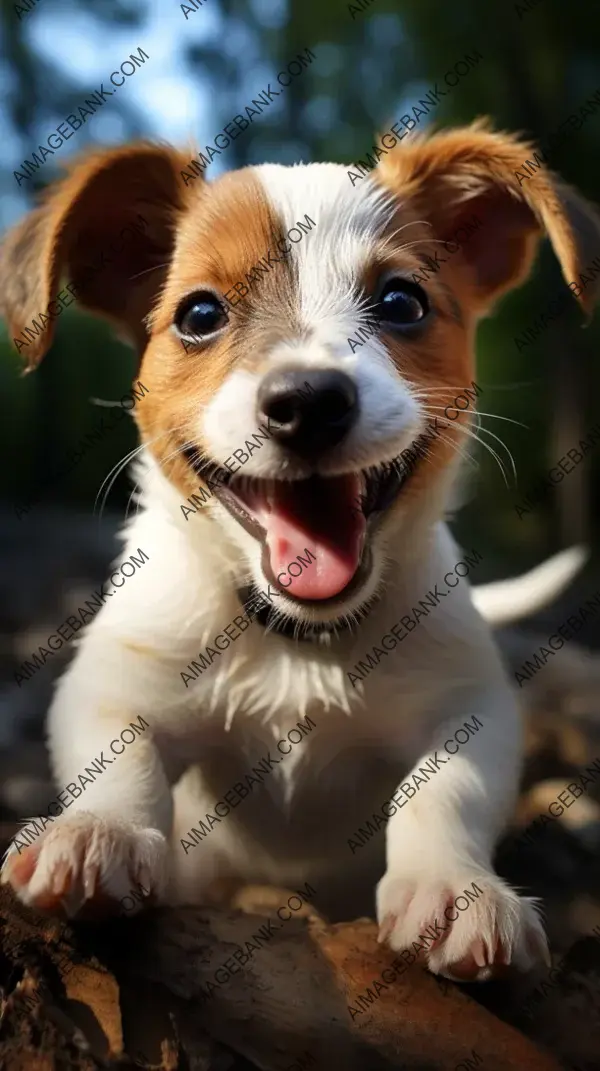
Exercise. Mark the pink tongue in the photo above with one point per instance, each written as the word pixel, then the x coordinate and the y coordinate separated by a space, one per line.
pixel 321 516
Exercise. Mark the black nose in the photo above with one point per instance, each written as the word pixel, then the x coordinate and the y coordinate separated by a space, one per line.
pixel 308 411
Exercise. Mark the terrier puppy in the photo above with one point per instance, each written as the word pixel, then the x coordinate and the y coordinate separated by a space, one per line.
pixel 299 664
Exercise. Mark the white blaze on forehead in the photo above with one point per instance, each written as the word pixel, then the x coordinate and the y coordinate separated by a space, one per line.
pixel 329 263
pixel 332 256
pixel 350 223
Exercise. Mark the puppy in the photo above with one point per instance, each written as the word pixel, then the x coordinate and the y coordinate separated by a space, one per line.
pixel 263 748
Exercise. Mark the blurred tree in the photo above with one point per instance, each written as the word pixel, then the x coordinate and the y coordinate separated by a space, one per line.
pixel 540 66
pixel 49 410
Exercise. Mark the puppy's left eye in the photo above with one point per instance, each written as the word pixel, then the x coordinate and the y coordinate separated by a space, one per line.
pixel 403 303
pixel 200 314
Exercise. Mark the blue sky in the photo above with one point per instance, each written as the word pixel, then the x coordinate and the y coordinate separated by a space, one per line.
pixel 175 105
pixel 173 99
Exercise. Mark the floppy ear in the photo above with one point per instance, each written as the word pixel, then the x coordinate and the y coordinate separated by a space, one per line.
pixel 110 227
pixel 472 171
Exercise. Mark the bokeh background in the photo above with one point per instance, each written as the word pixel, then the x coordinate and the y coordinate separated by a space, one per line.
pixel 541 62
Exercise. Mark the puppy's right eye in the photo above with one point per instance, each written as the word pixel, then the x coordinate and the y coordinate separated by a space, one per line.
pixel 201 314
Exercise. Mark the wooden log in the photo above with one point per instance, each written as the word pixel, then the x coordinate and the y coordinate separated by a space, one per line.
pixel 153 991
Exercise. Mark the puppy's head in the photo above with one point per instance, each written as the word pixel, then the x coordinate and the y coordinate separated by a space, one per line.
pixel 306 332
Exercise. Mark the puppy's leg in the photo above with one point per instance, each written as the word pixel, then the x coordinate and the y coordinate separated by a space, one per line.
pixel 108 831
pixel 207 859
pixel 105 834
pixel 439 889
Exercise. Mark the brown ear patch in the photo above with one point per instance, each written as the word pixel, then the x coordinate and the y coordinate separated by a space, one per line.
pixel 474 171
pixel 80 231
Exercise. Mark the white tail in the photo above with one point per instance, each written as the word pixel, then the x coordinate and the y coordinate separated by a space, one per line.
pixel 507 601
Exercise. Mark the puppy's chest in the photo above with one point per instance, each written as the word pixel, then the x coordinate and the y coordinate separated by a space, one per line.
pixel 300 762
pixel 266 726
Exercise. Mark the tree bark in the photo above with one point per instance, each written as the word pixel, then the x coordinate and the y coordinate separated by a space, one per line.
pixel 143 992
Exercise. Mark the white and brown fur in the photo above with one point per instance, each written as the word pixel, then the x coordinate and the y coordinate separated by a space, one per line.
pixel 128 824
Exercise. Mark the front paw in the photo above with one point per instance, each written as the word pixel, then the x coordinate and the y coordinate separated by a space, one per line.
pixel 85 861
pixel 462 928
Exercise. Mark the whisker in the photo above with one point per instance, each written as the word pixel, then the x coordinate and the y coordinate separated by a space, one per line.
pixel 455 446
pixel 104 402
pixel 178 451
pixel 482 429
pixel 147 271
pixel 136 487
pixel 479 412
pixel 487 431
pixel 469 433
pixel 121 464
pixel 117 469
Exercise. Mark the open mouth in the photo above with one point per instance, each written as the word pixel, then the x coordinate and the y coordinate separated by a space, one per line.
pixel 330 517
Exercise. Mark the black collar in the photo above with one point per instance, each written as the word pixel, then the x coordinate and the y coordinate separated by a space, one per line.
pixel 257 610
pixel 268 617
